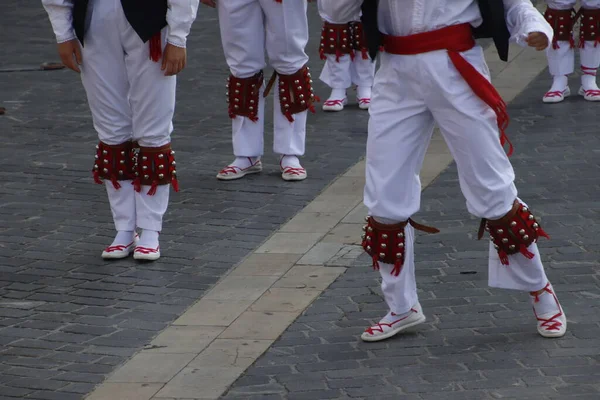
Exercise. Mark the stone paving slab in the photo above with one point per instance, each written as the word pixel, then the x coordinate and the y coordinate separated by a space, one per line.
pixel 67 318
pixel 478 343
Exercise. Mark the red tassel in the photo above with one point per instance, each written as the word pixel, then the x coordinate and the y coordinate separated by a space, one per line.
pixel 153 188
pixel 352 55
pixel 555 45
pixel 338 54
pixel 322 55
pixel 375 263
pixel 175 184
pixel 97 178
pixel 523 250
pixel 503 257
pixel 543 233
pixel 115 183
pixel 397 267
pixel 156 47
pixel 365 54
pixel 137 185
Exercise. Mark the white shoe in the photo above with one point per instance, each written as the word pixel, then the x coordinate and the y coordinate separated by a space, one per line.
pixel 115 252
pixel 146 253
pixel 232 172
pixel 553 324
pixel 335 104
pixel 385 329
pixel 293 174
pixel 590 95
pixel 556 96
pixel 364 103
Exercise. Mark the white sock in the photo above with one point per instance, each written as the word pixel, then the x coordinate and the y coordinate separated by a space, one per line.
pixel 559 84
pixel 290 161
pixel 589 82
pixel 123 238
pixel 244 162
pixel 149 239
pixel 363 92
pixel 546 304
pixel 337 94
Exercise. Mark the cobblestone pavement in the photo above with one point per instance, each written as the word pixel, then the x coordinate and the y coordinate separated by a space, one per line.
pixel 478 343
pixel 67 318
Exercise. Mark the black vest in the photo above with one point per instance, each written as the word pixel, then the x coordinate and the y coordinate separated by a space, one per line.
pixel 146 17
pixel 494 26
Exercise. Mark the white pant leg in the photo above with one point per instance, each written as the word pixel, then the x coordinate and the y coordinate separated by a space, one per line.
pixel 122 205
pixel 243 37
pixel 400 128
pixel 336 74
pixel 104 74
pixel 590 4
pixel 400 292
pixel 486 176
pixel 289 138
pixel 590 53
pixel 561 4
pixel 561 61
pixel 151 209
pixel 286 26
pixel 339 11
pixel 152 99
pixel 362 71
pixel 152 94
pixel 104 77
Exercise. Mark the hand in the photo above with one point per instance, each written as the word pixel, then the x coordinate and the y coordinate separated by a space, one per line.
pixel 537 40
pixel 70 54
pixel 210 3
pixel 174 60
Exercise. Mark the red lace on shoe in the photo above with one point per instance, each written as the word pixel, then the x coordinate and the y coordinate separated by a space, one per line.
pixel 146 250
pixel 379 327
pixel 549 324
pixel 334 102
pixel 294 171
pixel 119 247
pixel 365 100
pixel 230 169
pixel 592 92
pixel 555 93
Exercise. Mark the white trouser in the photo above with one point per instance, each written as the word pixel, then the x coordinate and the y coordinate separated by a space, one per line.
pixel 248 28
pixel 561 61
pixel 130 99
pixel 345 72
pixel 410 95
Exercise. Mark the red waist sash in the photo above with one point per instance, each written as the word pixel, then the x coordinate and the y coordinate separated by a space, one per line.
pixel 455 39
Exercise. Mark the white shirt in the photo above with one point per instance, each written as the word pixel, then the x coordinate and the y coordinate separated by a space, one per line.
pixel 407 17
pixel 180 16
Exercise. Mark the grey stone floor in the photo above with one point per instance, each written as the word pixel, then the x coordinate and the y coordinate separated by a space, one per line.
pixel 67 318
